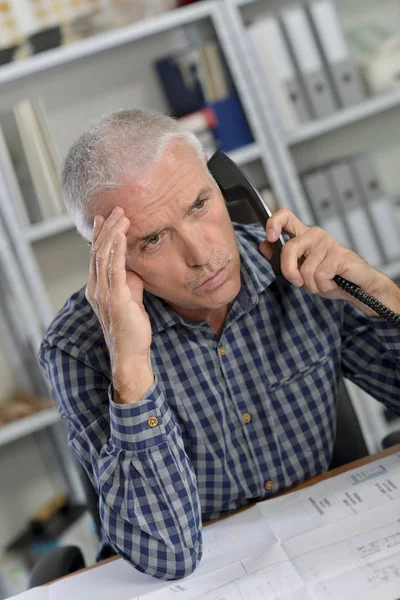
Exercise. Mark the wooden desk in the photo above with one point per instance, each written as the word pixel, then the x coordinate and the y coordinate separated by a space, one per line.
pixel 317 479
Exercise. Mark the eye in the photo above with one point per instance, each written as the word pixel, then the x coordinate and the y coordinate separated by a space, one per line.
pixel 200 204
pixel 153 241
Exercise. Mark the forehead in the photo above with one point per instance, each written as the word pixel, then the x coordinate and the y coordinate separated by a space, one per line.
pixel 176 178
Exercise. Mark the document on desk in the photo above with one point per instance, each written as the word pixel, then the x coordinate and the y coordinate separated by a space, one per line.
pixel 225 544
pixel 338 539
pixel 354 492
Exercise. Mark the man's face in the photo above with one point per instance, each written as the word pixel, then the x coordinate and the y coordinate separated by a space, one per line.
pixel 181 233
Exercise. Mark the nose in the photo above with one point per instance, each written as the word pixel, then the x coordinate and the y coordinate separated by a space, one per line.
pixel 197 250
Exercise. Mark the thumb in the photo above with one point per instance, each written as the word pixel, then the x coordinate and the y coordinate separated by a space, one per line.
pixel 266 249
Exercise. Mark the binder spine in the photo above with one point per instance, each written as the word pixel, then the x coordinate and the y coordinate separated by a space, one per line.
pixel 308 61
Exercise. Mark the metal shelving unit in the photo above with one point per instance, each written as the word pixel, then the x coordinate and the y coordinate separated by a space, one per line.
pixel 105 41
pixel 346 116
pixel 28 425
pixel 368 410
pixel 21 240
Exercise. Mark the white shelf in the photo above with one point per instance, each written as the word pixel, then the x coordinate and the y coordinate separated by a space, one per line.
pixel 41 231
pixel 246 154
pixel 104 41
pixel 27 425
pixel 346 116
pixel 242 2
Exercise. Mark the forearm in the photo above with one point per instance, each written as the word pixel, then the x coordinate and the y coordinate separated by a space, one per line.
pixel 135 457
pixel 148 490
pixel 132 380
pixel 383 289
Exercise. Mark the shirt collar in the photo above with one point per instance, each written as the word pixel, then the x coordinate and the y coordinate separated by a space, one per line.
pixel 256 275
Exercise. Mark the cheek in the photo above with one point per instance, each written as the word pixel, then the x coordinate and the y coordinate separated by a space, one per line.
pixel 159 271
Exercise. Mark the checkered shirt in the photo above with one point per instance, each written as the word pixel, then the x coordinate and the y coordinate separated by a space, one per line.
pixel 238 417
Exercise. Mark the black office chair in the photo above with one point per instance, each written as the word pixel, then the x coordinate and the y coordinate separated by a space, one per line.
pixel 349 443
pixel 69 559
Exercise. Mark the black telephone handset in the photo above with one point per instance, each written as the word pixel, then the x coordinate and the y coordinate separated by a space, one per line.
pixel 236 186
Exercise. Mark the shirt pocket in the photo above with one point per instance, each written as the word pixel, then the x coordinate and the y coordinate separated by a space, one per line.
pixel 290 360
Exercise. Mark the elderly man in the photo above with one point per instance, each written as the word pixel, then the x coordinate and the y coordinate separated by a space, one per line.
pixel 191 379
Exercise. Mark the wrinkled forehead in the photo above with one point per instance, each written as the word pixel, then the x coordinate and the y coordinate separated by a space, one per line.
pixel 179 173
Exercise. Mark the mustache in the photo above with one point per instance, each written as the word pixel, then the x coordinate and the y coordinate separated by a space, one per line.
pixel 221 261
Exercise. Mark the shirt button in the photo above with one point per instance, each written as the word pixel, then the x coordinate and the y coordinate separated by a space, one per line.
pixel 152 422
pixel 269 485
pixel 189 328
pixel 246 418
pixel 222 350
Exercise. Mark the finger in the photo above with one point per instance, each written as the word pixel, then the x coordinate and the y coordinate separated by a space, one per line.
pixel 120 279
pixel 295 255
pixel 97 225
pixel 103 255
pixel 116 269
pixel 326 271
pixel 310 266
pixel 116 214
pixel 286 220
pixel 266 249
pixel 91 283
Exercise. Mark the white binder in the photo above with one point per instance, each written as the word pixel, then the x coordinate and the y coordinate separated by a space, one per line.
pixel 13 183
pixel 271 74
pixel 305 53
pixel 346 77
pixel 378 206
pixel 276 62
pixel 354 214
pixel 323 202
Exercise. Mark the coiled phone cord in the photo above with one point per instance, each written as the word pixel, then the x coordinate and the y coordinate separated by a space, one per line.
pixel 359 294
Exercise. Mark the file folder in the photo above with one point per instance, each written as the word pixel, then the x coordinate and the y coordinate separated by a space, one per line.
pixel 271 76
pixel 324 205
pixel 378 205
pixel 270 45
pixel 344 72
pixel 353 212
pixel 305 53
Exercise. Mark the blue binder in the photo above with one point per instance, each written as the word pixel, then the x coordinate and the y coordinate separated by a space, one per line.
pixel 183 97
pixel 233 130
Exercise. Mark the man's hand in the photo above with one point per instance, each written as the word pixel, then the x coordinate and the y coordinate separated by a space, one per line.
pixel 116 296
pixel 312 258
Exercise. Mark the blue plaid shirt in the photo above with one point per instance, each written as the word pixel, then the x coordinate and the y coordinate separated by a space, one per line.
pixel 229 419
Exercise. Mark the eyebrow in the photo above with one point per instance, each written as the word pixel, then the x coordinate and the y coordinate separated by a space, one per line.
pixel 135 241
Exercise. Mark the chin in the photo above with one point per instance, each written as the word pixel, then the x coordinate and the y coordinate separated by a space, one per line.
pixel 226 293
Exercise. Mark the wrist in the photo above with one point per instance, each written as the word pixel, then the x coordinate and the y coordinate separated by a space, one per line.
pixel 131 383
pixel 384 290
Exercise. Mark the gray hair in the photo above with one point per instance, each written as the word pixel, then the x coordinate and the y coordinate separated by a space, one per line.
pixel 109 149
